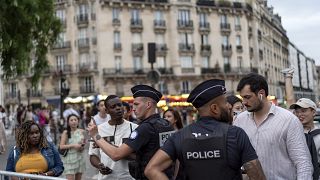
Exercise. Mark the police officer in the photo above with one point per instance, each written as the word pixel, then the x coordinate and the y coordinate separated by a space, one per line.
pixel 146 139
pixel 209 148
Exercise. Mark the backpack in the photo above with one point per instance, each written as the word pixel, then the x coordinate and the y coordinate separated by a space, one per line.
pixel 313 152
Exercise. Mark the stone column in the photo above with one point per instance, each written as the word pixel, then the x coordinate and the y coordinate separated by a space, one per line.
pixel 288 73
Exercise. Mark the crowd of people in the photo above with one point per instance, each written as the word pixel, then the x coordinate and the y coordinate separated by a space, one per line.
pixel 224 137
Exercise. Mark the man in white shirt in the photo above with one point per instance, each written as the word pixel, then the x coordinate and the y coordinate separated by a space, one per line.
pixel 115 131
pixel 275 133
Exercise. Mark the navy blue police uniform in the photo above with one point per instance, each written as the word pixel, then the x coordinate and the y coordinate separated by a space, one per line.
pixel 209 149
pixel 147 138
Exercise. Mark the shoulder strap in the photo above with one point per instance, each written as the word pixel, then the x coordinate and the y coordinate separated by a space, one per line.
pixel 130 127
pixel 314 132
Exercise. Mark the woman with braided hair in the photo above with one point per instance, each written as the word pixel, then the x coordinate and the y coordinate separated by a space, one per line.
pixel 33 154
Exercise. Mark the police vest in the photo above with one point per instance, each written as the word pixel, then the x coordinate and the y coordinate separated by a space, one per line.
pixel 205 157
pixel 163 130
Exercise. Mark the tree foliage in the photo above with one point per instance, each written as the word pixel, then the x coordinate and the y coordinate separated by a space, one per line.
pixel 27 29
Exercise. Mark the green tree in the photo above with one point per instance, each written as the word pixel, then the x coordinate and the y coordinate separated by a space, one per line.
pixel 27 28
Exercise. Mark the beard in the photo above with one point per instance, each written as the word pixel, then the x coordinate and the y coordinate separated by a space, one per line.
pixel 226 116
pixel 257 108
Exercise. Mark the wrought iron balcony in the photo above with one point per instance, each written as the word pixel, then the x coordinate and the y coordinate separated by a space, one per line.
pixel 225 28
pixel 161 49
pixel 210 70
pixel 237 27
pixel 159 26
pixel 204 27
pixel 62 45
pixel 136 25
pixel 82 19
pixel 187 70
pixel 117 46
pixel 87 67
pixel 239 48
pixel 116 22
pixel 185 25
pixel 137 49
pixel 87 89
pixel 83 43
pixel 186 48
pixel 205 50
pixel 226 50
pixel 67 68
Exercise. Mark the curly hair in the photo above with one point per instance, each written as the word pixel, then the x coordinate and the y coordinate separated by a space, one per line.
pixel 23 136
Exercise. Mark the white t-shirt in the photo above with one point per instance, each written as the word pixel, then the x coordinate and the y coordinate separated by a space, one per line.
pixel 119 168
pixel 99 120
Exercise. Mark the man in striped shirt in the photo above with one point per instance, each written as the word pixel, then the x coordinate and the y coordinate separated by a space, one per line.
pixel 275 133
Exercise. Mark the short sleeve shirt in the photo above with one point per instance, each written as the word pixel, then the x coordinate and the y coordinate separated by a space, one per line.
pixel 239 148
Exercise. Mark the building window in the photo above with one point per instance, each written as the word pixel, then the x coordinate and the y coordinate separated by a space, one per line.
pixel 83 9
pixel 137 63
pixel 83 33
pixel 186 62
pixel 13 90
pixel 238 40
pixel 135 15
pixel 61 38
pixel 203 19
pixel 117 61
pixel 163 87
pixel 185 38
pixel 84 59
pixel 61 14
pixel 239 62
pixel 185 87
pixel 204 39
pixel 115 14
pixel 225 40
pixel 223 19
pixel 116 37
pixel 237 21
pixel 227 66
pixel 161 62
pixel 87 85
pixel 205 62
pixel 183 17
pixel 61 60
pixel 158 15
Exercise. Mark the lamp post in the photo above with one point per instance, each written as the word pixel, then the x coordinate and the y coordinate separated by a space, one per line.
pixel 64 92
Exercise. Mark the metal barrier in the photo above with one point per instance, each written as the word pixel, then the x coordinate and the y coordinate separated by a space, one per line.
pixel 28 176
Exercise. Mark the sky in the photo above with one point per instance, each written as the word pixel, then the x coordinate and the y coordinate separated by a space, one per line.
pixel 301 19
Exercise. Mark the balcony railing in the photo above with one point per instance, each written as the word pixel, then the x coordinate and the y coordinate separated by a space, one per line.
pixel 187 70
pixel 185 25
pixel 237 5
pixel 159 26
pixel 137 49
pixel 226 50
pixel 35 93
pixel 116 22
pixel 83 43
pixel 117 46
pixel 132 71
pixel 136 25
pixel 67 68
pixel 87 89
pixel 205 50
pixel 186 47
pixel 225 27
pixel 13 94
pixel 239 48
pixel 237 27
pixel 161 49
pixel 210 70
pixel 82 19
pixel 62 45
pixel 204 27
pixel 88 67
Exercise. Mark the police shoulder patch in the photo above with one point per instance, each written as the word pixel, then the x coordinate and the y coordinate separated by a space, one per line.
pixel 133 135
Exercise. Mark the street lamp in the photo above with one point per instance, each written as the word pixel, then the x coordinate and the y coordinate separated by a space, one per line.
pixel 64 92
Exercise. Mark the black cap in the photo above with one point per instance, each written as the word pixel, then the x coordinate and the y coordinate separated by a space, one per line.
pixel 146 91
pixel 206 91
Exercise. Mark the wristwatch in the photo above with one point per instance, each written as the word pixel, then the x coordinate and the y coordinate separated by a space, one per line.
pixel 98 137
